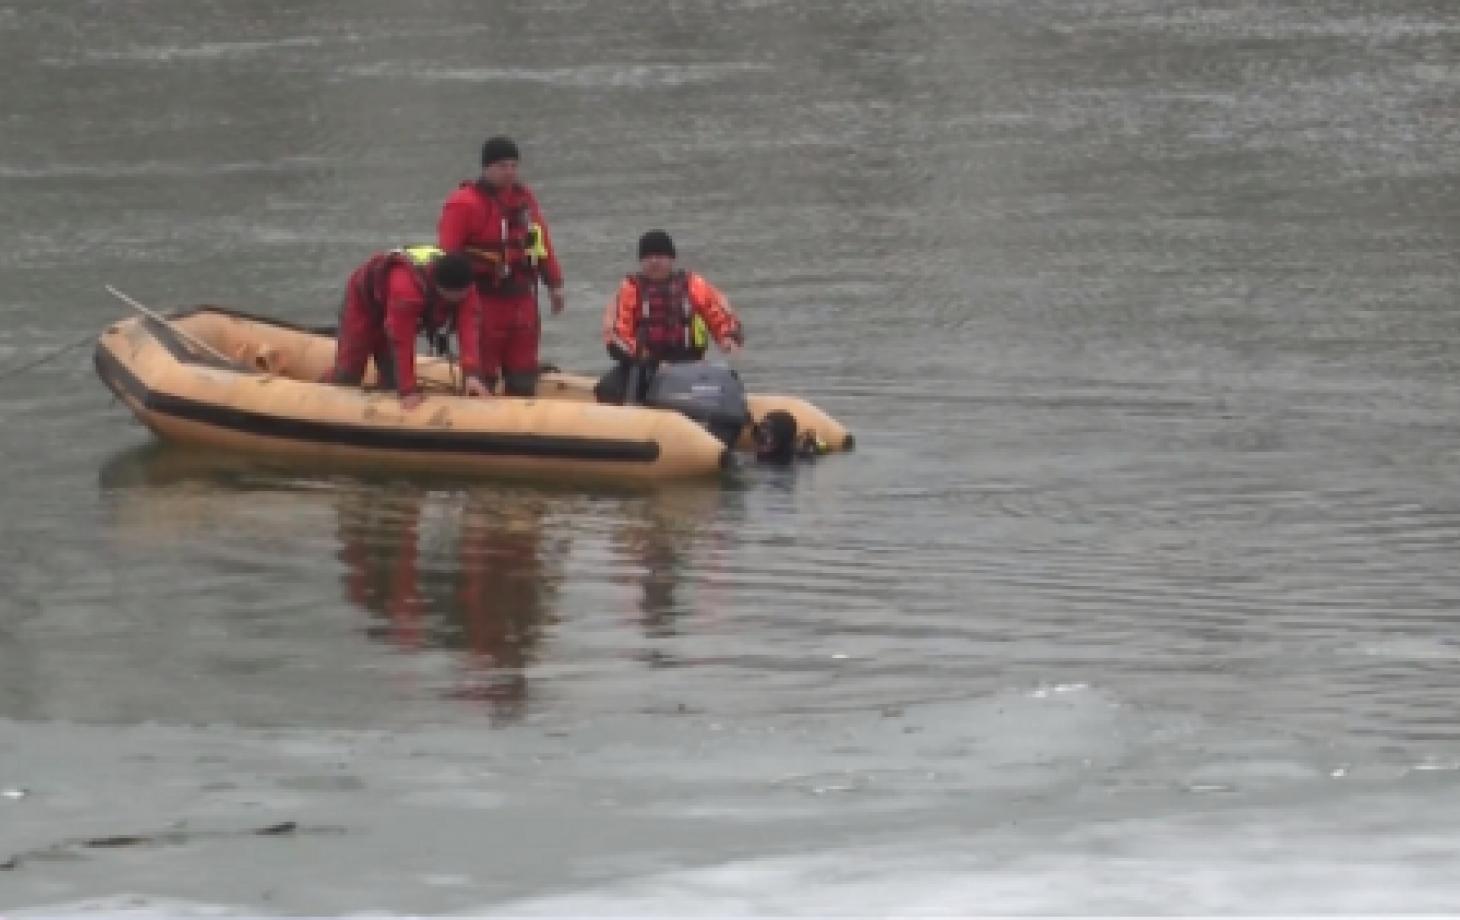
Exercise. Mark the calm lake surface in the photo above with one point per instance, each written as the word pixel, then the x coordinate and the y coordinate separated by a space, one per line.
pixel 1139 594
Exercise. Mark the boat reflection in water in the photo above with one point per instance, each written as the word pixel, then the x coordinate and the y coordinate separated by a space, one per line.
pixel 475 570
pixel 468 571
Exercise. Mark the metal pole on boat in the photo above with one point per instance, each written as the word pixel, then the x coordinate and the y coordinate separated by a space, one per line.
pixel 194 340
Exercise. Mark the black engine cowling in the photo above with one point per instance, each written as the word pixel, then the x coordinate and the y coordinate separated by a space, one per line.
pixel 710 394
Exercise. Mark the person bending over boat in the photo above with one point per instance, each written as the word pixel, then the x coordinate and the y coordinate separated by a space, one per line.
pixel 496 220
pixel 388 299
pixel 662 314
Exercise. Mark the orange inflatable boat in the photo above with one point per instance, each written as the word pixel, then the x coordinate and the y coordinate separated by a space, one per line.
pixel 221 378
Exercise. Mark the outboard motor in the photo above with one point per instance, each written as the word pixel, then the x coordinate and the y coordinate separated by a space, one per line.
pixel 710 394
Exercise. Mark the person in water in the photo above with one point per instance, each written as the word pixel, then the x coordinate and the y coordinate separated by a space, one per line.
pixel 388 299
pixel 662 313
pixel 777 439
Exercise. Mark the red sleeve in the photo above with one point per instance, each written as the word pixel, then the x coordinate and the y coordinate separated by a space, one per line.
pixel 468 334
pixel 454 229
pixel 404 304
pixel 552 272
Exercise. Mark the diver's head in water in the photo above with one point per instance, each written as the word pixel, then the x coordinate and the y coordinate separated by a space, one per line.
pixel 775 437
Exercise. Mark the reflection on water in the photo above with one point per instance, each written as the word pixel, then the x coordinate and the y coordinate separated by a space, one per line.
pixel 657 545
pixel 472 571
pixel 475 570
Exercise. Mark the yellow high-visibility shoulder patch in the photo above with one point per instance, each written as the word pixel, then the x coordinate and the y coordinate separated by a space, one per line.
pixel 421 253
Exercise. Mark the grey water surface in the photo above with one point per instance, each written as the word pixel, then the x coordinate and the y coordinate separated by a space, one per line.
pixel 1139 594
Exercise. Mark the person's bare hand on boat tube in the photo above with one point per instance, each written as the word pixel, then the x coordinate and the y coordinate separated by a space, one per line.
pixel 475 387
pixel 409 401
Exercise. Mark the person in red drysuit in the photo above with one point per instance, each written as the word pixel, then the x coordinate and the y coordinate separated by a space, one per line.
pixel 388 299
pixel 495 219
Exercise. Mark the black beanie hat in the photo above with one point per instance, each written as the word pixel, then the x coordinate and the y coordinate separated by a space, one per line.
pixel 499 147
pixel 452 272
pixel 656 243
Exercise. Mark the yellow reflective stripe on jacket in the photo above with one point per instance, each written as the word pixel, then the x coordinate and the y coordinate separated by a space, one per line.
pixel 421 254
pixel 538 247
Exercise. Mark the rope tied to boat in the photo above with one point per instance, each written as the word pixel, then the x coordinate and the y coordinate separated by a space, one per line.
pixel 48 356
